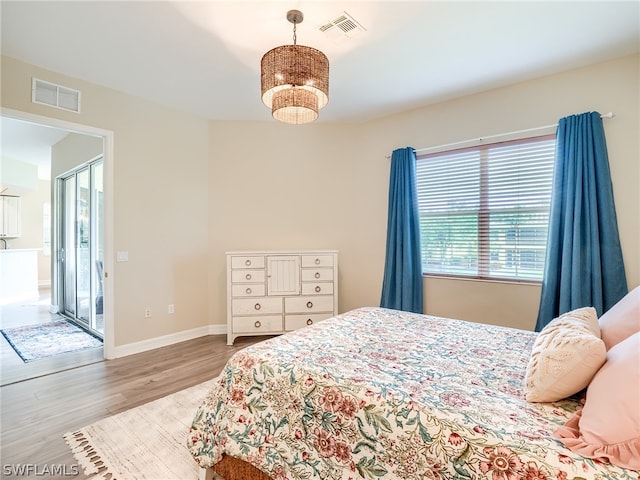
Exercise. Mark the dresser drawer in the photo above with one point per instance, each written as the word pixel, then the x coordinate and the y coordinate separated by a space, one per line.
pixel 256 306
pixel 247 290
pixel 317 274
pixel 309 261
pixel 293 322
pixel 257 325
pixel 247 276
pixel 271 292
pixel 317 288
pixel 247 262
pixel 320 303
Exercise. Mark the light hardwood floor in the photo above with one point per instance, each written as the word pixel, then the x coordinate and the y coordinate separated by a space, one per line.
pixel 36 413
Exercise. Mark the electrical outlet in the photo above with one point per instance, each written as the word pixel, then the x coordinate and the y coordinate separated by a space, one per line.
pixel 147 312
pixel 171 309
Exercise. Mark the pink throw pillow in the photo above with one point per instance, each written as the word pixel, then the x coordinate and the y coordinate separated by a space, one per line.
pixel 622 320
pixel 608 427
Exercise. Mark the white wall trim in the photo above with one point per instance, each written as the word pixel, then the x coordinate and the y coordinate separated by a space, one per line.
pixel 53 122
pixel 166 340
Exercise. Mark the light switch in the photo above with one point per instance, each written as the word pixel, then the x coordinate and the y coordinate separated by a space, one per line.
pixel 122 257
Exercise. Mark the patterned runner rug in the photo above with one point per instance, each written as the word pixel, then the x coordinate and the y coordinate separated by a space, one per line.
pixel 33 342
pixel 146 442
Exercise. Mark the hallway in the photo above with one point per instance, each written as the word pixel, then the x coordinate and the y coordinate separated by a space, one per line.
pixel 30 312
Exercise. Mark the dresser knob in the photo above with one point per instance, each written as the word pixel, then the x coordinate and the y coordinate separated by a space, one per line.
pixel 257 306
pixel 317 261
pixel 257 324
pixel 248 290
pixel 247 262
pixel 317 275
pixel 248 276
pixel 309 321
pixel 318 289
pixel 309 304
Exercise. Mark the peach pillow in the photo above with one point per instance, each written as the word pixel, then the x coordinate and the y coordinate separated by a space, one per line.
pixel 565 356
pixel 608 426
pixel 622 320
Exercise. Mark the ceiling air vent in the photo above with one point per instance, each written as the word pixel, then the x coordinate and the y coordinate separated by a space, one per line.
pixel 54 95
pixel 344 25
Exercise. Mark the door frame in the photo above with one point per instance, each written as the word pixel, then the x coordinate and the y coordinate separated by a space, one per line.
pixel 108 285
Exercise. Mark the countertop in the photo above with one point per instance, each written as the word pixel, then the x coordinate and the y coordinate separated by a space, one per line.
pixel 8 250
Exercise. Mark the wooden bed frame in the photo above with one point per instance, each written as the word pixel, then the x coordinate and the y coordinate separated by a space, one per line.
pixel 231 468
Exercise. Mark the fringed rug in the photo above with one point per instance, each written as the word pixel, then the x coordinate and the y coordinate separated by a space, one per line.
pixel 33 342
pixel 146 442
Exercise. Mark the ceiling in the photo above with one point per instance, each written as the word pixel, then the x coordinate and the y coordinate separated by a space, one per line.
pixel 204 57
pixel 29 143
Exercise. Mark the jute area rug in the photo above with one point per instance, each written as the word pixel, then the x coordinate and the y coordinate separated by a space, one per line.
pixel 146 442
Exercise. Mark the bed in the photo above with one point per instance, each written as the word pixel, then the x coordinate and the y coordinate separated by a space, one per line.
pixel 377 393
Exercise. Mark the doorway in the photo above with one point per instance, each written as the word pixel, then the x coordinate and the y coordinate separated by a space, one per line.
pixel 97 290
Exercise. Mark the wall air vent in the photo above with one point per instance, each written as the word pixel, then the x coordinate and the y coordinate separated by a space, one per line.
pixel 47 93
pixel 344 25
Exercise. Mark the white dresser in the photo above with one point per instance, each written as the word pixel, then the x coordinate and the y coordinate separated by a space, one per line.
pixel 272 292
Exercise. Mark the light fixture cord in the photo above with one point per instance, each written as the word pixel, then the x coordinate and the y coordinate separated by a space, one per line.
pixel 294 32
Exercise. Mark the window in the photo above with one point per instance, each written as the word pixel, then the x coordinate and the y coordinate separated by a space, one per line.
pixel 484 210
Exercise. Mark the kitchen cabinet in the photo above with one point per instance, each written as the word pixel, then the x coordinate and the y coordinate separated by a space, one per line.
pixel 9 216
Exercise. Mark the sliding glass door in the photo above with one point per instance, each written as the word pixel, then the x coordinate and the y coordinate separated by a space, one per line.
pixel 81 252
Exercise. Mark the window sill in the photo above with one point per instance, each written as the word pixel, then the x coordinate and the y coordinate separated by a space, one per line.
pixel 484 280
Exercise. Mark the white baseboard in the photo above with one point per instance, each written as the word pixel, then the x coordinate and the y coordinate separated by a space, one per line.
pixel 166 340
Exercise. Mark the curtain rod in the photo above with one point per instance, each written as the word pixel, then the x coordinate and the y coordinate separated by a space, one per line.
pixel 482 139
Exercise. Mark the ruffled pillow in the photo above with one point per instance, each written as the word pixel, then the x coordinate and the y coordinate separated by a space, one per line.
pixel 622 320
pixel 565 356
pixel 608 426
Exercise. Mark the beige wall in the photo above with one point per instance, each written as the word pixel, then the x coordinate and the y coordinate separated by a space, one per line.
pixel 611 86
pixel 186 190
pixel 277 186
pixel 32 228
pixel 159 197
pixel 72 151
pixel 69 152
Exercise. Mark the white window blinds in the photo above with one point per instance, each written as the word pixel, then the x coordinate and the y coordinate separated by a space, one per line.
pixel 484 210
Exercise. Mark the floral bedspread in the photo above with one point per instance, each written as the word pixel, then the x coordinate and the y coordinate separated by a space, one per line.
pixel 377 393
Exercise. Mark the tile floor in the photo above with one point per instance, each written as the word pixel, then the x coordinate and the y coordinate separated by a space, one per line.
pixel 32 312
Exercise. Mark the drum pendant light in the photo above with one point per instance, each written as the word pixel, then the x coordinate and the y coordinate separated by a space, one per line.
pixel 295 79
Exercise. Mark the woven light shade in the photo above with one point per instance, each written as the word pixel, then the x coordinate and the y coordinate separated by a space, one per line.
pixel 295 106
pixel 295 80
